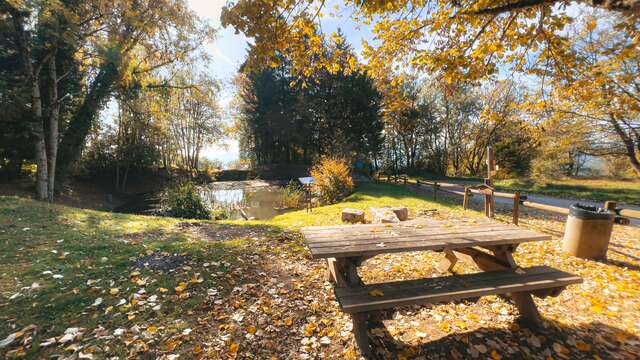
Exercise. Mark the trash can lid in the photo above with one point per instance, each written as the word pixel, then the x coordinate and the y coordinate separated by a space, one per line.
pixel 586 212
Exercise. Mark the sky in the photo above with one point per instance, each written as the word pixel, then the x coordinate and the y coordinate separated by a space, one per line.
pixel 229 50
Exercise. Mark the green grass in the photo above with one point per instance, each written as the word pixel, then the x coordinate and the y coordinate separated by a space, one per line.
pixel 596 190
pixel 623 191
pixel 100 249
pixel 366 196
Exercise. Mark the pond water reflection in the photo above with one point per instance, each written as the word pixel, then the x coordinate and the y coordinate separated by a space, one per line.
pixel 259 203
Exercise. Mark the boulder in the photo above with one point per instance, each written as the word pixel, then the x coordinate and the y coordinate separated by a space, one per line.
pixel 401 212
pixel 352 215
pixel 383 216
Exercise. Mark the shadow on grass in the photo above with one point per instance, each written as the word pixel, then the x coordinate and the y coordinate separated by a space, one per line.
pixel 586 341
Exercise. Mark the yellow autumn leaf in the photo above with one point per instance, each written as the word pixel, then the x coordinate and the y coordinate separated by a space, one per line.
pixel 582 346
pixel 114 291
pixel 376 293
pixel 495 355
pixel 251 329
pixel 152 329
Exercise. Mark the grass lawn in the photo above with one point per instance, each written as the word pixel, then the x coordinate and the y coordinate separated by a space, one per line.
pixel 624 191
pixel 92 284
pixel 597 190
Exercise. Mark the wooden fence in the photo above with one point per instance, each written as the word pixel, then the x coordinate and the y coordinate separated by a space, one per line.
pixel 518 198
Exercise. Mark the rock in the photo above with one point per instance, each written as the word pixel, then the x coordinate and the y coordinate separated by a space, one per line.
pixel 401 212
pixel 383 216
pixel 352 215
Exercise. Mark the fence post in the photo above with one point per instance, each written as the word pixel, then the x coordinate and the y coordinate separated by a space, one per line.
pixel 418 182
pixel 610 205
pixel 516 207
pixel 405 180
pixel 488 200
pixel 489 204
pixel 435 190
pixel 465 201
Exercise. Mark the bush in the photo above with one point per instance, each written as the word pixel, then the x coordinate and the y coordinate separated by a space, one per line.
pixel 292 196
pixel 184 201
pixel 332 179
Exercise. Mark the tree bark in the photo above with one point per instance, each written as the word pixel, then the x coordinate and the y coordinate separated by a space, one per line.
pixel 33 75
pixel 53 126
pixel 75 136
pixel 625 6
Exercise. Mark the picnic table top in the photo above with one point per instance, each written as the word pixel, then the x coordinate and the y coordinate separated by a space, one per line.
pixel 414 235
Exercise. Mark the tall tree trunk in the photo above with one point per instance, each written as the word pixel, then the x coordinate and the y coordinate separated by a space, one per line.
pixel 53 126
pixel 33 75
pixel 76 134
pixel 40 144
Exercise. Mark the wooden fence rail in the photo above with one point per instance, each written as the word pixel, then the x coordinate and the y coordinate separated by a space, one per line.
pixel 518 198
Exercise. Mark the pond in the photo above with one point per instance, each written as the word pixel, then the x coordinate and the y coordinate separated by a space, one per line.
pixel 241 203
pixel 249 199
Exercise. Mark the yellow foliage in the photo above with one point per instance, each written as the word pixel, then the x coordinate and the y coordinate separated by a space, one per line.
pixel 332 179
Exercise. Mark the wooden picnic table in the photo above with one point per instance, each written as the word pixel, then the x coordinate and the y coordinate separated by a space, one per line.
pixel 487 244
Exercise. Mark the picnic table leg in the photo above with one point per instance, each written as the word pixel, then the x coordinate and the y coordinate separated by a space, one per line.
pixel 361 334
pixel 449 261
pixel 334 272
pixel 524 302
pixel 345 272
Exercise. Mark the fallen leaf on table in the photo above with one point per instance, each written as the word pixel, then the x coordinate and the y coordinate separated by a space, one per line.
pixel 376 293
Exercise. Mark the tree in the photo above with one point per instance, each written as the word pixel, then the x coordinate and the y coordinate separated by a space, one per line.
pixel 286 117
pixel 463 40
pixel 194 119
pixel 109 43
pixel 598 89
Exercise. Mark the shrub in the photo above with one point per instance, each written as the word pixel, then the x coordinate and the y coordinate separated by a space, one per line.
pixel 332 179
pixel 184 201
pixel 292 196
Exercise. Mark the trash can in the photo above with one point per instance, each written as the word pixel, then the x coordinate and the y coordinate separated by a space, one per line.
pixel 588 231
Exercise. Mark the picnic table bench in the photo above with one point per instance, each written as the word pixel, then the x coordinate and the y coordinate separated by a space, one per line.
pixel 487 244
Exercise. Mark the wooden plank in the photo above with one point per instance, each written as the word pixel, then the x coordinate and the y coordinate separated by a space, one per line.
pixel 451 288
pixel 424 221
pixel 376 239
pixel 393 247
pixel 629 213
pixel 405 226
pixel 393 232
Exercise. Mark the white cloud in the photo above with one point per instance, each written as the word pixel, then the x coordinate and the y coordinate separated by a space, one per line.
pixel 208 9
